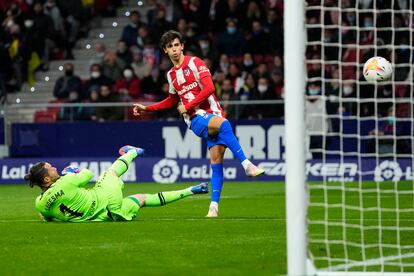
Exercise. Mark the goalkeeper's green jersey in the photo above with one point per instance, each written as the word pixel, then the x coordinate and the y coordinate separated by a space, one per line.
pixel 67 200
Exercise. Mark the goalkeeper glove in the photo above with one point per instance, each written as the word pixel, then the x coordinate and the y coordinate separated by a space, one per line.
pixel 70 169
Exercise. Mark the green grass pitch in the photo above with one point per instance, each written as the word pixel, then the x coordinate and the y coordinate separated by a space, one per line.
pixel 247 239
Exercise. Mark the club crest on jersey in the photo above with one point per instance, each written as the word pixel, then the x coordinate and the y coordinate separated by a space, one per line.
pixel 186 72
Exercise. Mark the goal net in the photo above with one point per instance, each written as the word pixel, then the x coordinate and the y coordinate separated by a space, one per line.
pixel 360 215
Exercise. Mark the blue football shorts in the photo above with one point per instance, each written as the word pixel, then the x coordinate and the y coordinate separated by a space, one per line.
pixel 199 125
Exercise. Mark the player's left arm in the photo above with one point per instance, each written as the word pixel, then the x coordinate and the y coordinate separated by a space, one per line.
pixel 42 217
pixel 79 179
pixel 206 82
pixel 207 91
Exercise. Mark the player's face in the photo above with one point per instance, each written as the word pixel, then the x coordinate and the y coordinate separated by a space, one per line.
pixel 174 49
pixel 51 172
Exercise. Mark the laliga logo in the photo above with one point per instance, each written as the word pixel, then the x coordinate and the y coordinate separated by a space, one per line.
pixel 387 170
pixel 166 171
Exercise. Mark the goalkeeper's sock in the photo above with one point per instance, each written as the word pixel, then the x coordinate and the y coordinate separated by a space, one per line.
pixel 216 181
pixel 120 166
pixel 227 135
pixel 163 198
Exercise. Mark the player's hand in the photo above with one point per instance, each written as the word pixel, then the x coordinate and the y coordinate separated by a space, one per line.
pixel 70 169
pixel 138 109
pixel 181 109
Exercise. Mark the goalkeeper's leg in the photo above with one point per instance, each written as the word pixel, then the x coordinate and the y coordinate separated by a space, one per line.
pixel 163 198
pixel 128 154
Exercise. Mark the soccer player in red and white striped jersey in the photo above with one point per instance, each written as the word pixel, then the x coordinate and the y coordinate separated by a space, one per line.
pixel 191 88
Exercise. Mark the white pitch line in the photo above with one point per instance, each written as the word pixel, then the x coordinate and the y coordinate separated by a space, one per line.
pixel 168 219
pixel 219 218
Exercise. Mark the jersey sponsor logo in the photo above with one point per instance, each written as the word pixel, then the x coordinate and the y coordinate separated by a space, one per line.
pixel 53 198
pixel 202 69
pixel 187 88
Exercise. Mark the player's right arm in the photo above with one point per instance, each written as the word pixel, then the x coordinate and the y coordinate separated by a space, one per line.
pixel 171 101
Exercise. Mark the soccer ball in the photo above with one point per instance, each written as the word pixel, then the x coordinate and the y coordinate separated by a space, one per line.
pixel 377 69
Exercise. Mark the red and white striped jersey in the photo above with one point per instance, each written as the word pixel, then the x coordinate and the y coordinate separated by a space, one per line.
pixel 185 81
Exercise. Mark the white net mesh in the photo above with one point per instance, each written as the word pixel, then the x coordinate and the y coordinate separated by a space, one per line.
pixel 360 167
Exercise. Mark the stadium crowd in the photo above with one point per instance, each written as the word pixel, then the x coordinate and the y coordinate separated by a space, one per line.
pixel 33 32
pixel 336 88
pixel 240 41
pixel 348 39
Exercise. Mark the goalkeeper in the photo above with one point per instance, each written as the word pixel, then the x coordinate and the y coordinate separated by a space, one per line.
pixel 64 198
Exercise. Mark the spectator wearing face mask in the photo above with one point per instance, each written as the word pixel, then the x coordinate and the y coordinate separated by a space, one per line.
pixel 67 83
pixel 317 122
pixel 129 87
pixel 264 92
pixel 248 63
pixel 231 41
pixel 96 78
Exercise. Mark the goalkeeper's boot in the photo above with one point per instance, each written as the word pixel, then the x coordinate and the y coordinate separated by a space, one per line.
pixel 253 171
pixel 127 148
pixel 212 210
pixel 201 188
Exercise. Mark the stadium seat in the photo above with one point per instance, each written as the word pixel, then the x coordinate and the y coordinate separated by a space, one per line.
pixel 55 109
pixel 258 58
pixel 44 117
pixel 238 59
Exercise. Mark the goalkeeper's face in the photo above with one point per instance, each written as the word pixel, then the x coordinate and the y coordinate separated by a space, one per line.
pixel 52 173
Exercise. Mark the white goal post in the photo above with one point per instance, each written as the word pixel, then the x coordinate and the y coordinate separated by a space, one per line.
pixel 349 144
pixel 295 135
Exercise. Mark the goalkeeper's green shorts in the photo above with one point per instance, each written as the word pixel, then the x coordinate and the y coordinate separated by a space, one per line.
pixel 109 188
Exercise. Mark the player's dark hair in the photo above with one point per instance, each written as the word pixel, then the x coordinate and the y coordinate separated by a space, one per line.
pixel 170 36
pixel 36 174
